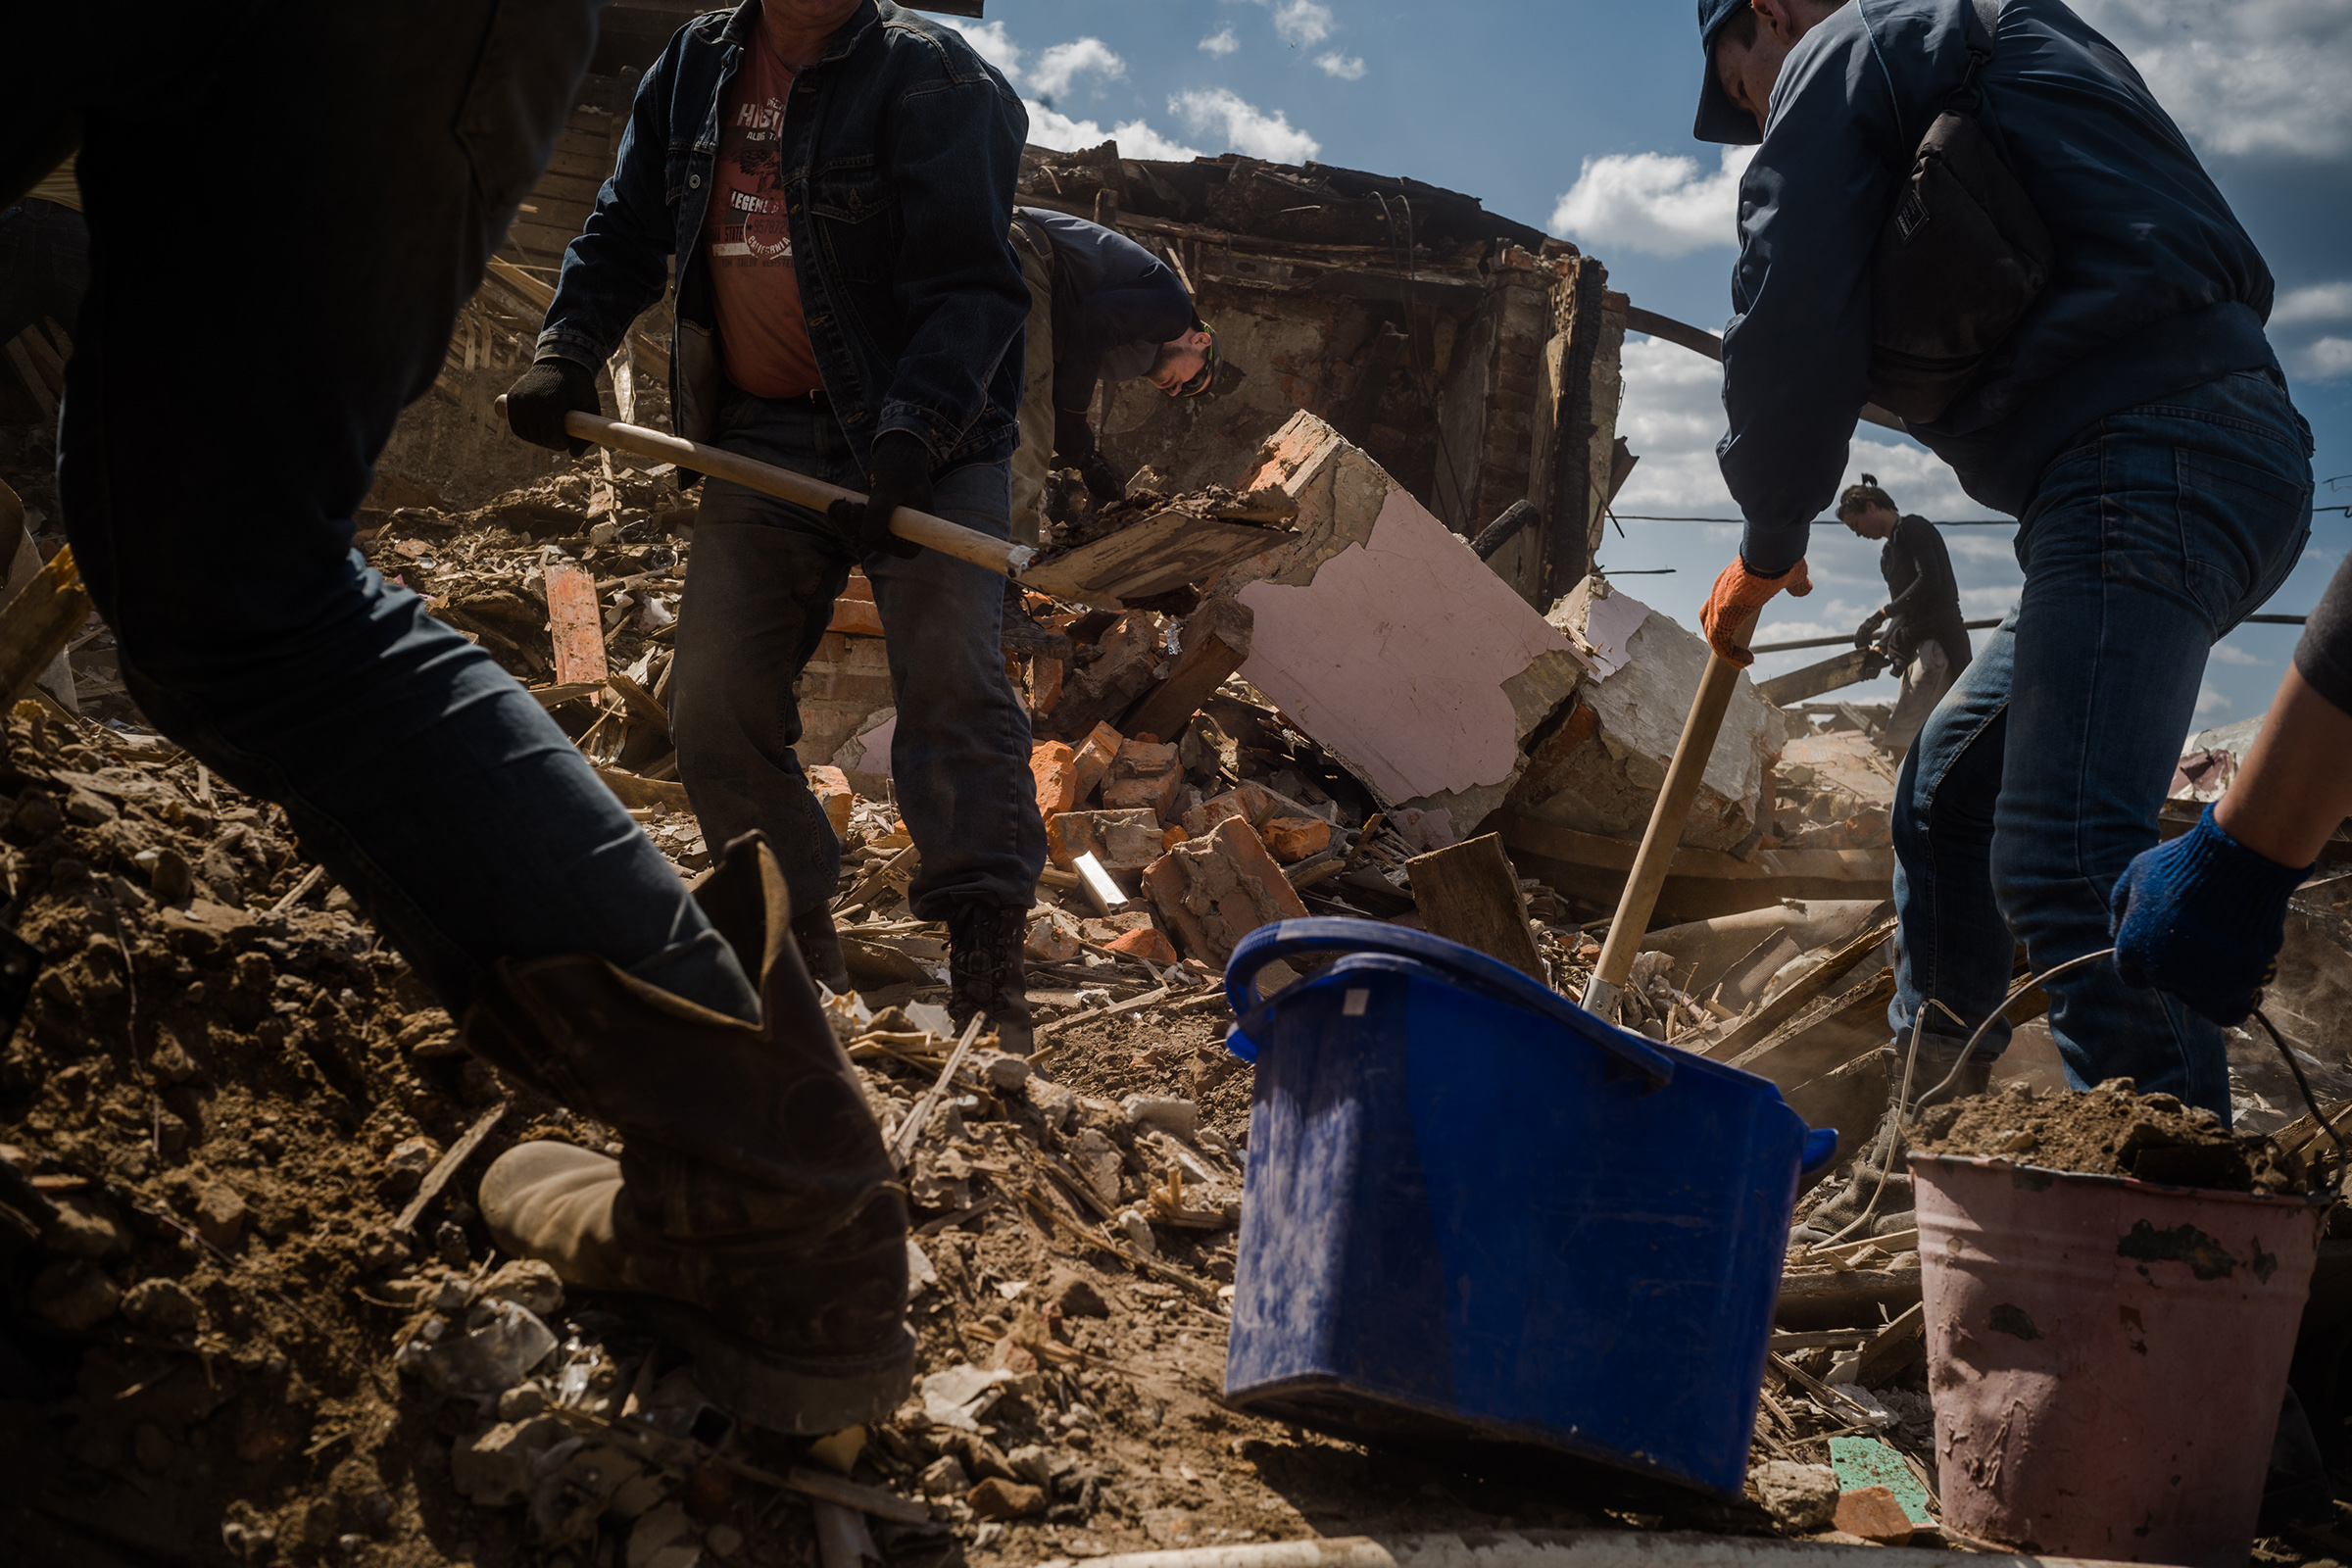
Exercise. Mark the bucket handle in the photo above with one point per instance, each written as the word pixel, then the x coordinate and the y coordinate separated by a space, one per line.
pixel 1490 976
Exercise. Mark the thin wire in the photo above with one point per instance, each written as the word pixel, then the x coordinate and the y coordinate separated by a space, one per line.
pixel 2343 1160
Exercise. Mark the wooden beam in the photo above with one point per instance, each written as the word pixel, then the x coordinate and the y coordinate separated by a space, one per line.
pixel 1215 644
pixel 1855 664
pixel 1469 893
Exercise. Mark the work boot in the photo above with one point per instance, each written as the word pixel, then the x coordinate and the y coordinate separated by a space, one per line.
pixel 753 1211
pixel 985 967
pixel 821 950
pixel 1885 1155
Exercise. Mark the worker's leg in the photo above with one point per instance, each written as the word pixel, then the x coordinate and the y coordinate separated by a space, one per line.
pixel 961 757
pixel 1952 948
pixel 1035 457
pixel 239 365
pixel 2160 531
pixel 758 601
pixel 44 267
pixel 1926 679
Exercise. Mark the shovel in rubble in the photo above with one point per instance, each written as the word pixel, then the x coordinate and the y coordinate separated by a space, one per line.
pixel 1683 773
pixel 1165 551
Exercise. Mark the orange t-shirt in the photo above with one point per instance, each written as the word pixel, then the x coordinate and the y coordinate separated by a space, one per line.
pixel 763 335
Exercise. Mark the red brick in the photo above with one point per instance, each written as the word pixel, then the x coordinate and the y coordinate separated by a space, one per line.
pixel 831 787
pixel 1874 1514
pixel 1096 754
pixel 1149 944
pixel 1123 841
pixel 1214 891
pixel 1053 766
pixel 1144 776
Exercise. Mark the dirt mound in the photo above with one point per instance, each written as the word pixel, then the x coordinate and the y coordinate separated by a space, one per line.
pixel 2112 1130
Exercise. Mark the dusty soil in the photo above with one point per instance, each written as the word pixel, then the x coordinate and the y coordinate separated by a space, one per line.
pixel 2112 1131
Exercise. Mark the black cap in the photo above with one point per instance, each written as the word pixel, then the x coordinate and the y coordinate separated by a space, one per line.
pixel 1719 118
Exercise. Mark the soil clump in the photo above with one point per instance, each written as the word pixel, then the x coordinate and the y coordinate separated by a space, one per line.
pixel 2112 1130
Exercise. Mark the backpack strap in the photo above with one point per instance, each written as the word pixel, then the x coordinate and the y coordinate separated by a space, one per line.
pixel 1984 22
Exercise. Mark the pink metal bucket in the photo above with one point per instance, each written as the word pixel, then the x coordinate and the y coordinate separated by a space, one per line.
pixel 2107 1356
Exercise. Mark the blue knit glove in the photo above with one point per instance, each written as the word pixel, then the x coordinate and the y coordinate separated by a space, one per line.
pixel 2203 917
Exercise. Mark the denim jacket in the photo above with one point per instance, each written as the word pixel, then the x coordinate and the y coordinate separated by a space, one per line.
pixel 900 146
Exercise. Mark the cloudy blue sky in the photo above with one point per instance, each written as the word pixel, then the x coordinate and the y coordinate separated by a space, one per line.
pixel 1575 115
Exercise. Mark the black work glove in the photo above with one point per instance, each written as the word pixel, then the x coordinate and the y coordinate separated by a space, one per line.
pixel 1866 635
pixel 899 476
pixel 548 391
pixel 1073 439
pixel 1899 641
pixel 1102 481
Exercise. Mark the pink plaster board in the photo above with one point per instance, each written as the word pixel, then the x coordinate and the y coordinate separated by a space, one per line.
pixel 1396 655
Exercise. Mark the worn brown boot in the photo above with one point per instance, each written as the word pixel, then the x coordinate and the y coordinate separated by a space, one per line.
pixel 754 1210
pixel 987 969
pixel 1881 1172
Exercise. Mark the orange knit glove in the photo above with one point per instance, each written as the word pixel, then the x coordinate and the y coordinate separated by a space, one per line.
pixel 1732 605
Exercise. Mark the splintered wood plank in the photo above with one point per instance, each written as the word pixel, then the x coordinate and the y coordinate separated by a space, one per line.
pixel 39 619
pixel 1216 643
pixel 1165 551
pixel 1469 893
pixel 578 624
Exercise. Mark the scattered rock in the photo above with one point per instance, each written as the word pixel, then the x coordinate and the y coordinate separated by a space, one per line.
pixel 994 1499
pixel 219 1215
pixel 1800 1497
pixel 86 1226
pixel 529 1283
pixel 1075 1295
pixel 406 1166
pixel 521 1402
pixel 1138 1231
pixel 1874 1514
pixel 1032 1463
pixel 161 1306
pixel 944 1477
pixel 74 1295
pixel 495 1468
pixel 1177 1117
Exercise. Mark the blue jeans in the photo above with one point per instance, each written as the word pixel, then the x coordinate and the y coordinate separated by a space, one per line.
pixel 2040 775
pixel 757 600
pixel 219 425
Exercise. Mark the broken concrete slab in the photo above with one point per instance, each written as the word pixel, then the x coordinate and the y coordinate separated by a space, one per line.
pixel 1387 641
pixel 1600 766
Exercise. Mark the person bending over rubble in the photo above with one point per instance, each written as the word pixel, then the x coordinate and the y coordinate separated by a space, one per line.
pixel 227 393
pixel 2203 916
pixel 1919 627
pixel 848 307
pixel 1100 305
pixel 2103 376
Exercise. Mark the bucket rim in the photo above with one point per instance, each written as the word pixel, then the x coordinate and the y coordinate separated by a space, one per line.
pixel 2084 1178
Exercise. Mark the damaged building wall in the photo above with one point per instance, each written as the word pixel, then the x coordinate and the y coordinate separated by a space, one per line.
pixel 1444 340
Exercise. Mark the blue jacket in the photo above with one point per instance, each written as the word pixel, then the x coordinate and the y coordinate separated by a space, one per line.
pixel 2156 287
pixel 1114 304
pixel 900 146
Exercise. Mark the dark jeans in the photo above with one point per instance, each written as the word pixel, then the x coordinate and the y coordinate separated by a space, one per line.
pixel 240 362
pixel 759 597
pixel 44 267
pixel 2038 776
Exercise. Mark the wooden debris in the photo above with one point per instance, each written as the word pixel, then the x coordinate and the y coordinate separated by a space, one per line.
pixel 38 620
pixel 1893 1347
pixel 1216 643
pixel 902 1144
pixel 634 789
pixel 577 624
pixel 1469 893
pixel 447 1166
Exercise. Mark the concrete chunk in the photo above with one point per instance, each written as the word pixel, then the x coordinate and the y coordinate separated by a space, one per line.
pixel 1123 841
pixel 1211 892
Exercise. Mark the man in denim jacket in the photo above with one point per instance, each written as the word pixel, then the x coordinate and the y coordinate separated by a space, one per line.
pixel 835 181
pixel 2136 424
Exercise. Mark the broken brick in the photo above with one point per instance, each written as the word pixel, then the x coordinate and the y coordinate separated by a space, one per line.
pixel 1290 831
pixel 1053 937
pixel 1096 754
pixel 1214 891
pixel 831 787
pixel 1123 841
pixel 1053 764
pixel 1149 944
pixel 1144 775
pixel 997 1499
pixel 1875 1516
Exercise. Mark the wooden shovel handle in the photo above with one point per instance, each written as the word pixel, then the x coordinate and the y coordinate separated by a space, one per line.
pixel 1666 819
pixel 935 533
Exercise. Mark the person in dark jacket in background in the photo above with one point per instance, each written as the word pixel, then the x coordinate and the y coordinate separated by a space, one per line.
pixel 2135 420
pixel 1099 306
pixel 1918 628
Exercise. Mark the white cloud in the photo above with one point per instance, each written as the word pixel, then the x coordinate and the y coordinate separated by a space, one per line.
pixel 1051 127
pixel 1347 67
pixel 1222 41
pixel 2242 77
pixel 2211 700
pixel 1300 23
pixel 1655 202
pixel 2319 302
pixel 994 43
pixel 2232 654
pixel 1064 63
pixel 2327 360
pixel 1221 111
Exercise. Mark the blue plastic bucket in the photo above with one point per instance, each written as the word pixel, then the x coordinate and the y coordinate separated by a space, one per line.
pixel 1479 1216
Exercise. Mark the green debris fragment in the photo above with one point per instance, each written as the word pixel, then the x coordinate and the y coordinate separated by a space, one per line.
pixel 1867 1462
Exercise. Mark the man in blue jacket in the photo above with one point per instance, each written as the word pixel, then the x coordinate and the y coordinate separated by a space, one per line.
pixel 835 181
pixel 1100 305
pixel 2135 423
